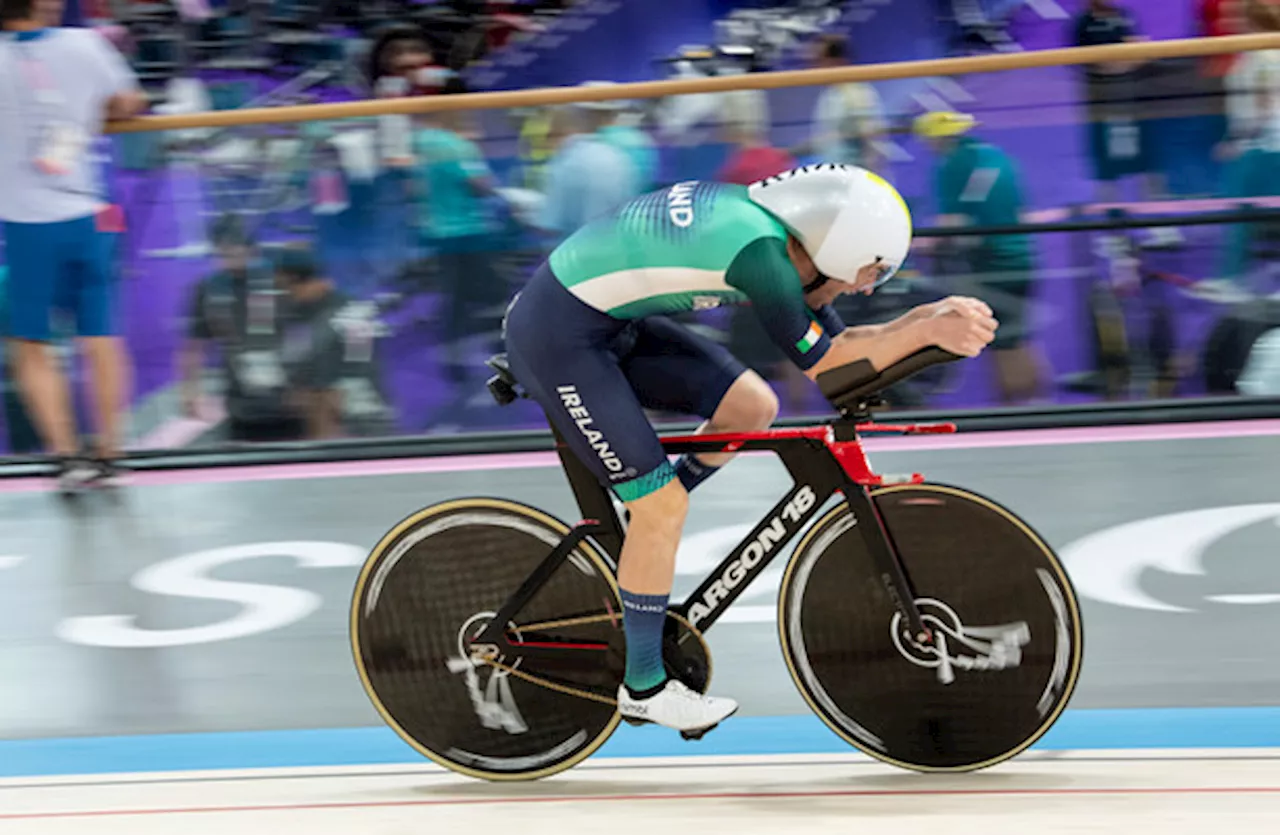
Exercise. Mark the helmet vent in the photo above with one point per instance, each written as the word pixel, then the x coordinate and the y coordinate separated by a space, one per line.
pixel 804 169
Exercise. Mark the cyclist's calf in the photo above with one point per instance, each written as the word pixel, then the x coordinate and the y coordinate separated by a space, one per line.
pixel 647 564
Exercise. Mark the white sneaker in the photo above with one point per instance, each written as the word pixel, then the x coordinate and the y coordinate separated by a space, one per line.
pixel 676 706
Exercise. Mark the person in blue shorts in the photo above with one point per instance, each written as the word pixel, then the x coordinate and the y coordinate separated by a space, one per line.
pixel 1121 141
pixel 57 86
pixel 591 340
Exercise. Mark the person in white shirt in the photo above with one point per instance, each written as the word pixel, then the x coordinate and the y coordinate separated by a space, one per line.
pixel 1252 147
pixel 57 87
pixel 848 119
pixel 1253 88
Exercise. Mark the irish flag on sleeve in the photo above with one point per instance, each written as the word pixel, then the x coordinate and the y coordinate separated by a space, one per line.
pixel 810 338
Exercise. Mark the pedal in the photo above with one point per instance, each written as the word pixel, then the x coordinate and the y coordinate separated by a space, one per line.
pixel 633 722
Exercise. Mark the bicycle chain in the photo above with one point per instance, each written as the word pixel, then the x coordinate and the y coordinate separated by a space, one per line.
pixel 551 685
pixel 542 682
pixel 564 688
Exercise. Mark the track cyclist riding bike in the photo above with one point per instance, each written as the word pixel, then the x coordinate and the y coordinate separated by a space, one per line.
pixel 589 339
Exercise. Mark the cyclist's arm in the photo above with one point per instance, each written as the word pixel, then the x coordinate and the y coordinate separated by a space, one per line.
pixel 882 345
pixel 764 272
pixel 830 320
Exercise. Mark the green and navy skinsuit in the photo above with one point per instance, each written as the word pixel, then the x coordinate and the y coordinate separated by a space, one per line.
pixel 590 339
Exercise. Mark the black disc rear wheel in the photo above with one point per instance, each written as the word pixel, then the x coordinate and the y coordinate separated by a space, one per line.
pixel 1009 639
pixel 431 585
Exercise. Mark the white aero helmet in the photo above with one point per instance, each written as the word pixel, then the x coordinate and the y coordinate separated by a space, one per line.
pixel 844 216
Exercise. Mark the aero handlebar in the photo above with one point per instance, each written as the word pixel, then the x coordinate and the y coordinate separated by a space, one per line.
pixel 854 389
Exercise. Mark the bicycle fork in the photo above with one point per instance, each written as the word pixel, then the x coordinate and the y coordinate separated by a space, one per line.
pixel 889 571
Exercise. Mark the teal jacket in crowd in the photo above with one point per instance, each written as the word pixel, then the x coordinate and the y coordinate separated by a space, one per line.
pixel 982 183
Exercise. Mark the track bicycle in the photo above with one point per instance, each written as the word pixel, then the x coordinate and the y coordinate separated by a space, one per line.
pixel 926 625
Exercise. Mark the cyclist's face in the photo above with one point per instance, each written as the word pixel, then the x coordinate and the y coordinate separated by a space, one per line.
pixel 828 292
pixel 867 278
pixel 865 283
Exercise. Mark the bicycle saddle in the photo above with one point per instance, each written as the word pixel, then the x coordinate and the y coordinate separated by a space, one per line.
pixel 502 385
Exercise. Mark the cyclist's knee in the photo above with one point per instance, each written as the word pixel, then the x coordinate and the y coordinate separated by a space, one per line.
pixel 749 405
pixel 665 507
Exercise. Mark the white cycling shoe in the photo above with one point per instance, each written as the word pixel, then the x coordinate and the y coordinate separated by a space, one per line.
pixel 676 706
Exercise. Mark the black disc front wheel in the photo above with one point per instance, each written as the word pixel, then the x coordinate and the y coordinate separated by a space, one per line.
pixel 1008 640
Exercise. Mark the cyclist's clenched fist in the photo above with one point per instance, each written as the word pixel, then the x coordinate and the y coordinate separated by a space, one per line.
pixel 960 325
pixel 957 304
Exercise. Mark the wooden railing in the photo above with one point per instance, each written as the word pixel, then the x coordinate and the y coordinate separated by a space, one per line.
pixel 1117 53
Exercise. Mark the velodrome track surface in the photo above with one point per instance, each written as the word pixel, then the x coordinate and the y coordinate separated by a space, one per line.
pixel 176 659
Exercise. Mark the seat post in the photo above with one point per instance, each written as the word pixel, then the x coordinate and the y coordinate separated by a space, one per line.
pixel 594 500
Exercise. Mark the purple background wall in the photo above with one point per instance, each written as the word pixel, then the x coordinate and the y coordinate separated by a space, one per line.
pixel 1033 114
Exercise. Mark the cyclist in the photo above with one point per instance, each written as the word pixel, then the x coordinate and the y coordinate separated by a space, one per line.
pixel 589 339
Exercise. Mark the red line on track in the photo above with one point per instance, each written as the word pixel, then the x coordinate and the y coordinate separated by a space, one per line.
pixel 494 801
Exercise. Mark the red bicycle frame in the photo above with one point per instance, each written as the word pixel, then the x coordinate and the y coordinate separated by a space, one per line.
pixel 823 460
pixel 850 454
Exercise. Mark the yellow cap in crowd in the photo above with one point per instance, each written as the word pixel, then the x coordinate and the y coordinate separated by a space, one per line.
pixel 943 123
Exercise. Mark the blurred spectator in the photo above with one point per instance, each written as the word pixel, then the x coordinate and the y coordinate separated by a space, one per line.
pixel 1253 133
pixel 57 87
pixel 985 23
pixel 194 11
pixel 1120 142
pixel 536 147
pixel 587 175
pixel 401 64
pixel 1261 375
pixel 702 129
pixel 454 189
pixel 1217 18
pixel 754 157
pixel 1253 87
pixel 678 117
pixel 754 160
pixel 622 130
pixel 1241 353
pixel 848 119
pixel 236 311
pixel 21 435
pixel 313 347
pixel 744 114
pixel 978 184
